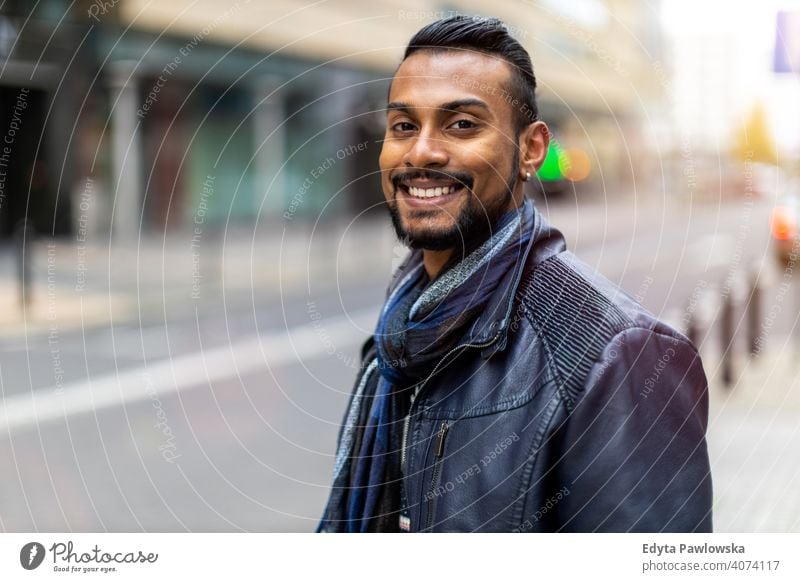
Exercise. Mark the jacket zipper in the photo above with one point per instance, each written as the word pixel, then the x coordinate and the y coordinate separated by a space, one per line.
pixel 437 471
pixel 407 421
pixel 405 520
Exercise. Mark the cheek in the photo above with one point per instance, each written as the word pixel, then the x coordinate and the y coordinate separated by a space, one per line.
pixel 385 167
pixel 486 157
pixel 488 171
pixel 383 157
pixel 387 161
pixel 391 153
pixel 499 163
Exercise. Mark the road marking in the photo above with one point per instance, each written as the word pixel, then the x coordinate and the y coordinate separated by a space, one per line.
pixel 187 371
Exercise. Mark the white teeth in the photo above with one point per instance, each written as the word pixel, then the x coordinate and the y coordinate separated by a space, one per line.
pixel 430 192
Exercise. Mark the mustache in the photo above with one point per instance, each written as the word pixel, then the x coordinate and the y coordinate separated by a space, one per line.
pixel 461 178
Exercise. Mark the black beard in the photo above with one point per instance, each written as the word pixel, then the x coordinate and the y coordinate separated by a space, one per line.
pixel 474 224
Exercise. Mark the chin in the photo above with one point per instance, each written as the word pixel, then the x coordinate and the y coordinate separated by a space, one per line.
pixel 434 241
pixel 429 237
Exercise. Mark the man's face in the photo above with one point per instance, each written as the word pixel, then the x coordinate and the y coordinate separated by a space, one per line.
pixel 449 159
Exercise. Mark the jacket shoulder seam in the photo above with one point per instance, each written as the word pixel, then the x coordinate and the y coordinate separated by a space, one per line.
pixel 675 336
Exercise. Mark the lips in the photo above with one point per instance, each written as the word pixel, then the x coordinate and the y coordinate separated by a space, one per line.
pixel 430 195
pixel 431 192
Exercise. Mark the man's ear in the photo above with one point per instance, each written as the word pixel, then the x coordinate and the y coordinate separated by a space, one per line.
pixel 534 141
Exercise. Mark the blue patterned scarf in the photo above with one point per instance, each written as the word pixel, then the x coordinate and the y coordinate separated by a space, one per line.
pixel 421 321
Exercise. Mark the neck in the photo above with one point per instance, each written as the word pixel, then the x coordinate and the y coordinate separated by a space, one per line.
pixel 434 261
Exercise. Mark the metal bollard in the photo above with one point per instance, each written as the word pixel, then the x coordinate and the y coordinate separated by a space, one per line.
pixel 726 326
pixel 754 339
pixel 22 235
pixel 693 328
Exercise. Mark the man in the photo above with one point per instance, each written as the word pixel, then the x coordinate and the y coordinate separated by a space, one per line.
pixel 507 386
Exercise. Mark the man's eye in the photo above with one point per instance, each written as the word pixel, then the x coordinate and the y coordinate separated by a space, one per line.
pixel 463 124
pixel 403 126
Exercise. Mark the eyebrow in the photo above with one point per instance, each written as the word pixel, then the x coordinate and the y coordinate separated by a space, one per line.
pixel 449 106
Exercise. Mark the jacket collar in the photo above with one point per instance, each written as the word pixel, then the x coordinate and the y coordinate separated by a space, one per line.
pixel 493 324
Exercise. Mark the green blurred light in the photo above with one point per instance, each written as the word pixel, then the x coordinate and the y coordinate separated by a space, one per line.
pixel 555 159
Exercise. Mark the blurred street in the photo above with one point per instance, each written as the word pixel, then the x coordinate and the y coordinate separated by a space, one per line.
pixel 143 401
pixel 194 242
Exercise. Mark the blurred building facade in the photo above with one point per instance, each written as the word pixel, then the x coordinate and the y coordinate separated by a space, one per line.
pixel 736 115
pixel 157 115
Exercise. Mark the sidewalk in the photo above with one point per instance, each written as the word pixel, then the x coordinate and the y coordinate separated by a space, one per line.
pixel 77 284
pixel 754 442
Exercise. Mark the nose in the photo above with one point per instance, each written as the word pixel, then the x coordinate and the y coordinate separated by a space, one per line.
pixel 427 151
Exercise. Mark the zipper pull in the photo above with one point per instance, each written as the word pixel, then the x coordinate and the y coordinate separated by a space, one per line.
pixel 405 523
pixel 440 442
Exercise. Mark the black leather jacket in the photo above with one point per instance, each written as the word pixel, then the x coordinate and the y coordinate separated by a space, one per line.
pixel 577 412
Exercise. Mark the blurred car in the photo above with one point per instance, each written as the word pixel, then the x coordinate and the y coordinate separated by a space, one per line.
pixel 784 221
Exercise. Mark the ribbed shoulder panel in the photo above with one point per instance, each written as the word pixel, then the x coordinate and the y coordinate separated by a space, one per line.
pixel 573 318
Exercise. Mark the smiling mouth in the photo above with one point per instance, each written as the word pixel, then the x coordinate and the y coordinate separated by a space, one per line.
pixel 434 194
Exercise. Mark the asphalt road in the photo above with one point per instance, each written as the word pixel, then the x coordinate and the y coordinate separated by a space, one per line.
pixel 225 418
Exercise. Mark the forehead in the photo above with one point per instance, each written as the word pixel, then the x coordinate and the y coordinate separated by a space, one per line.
pixel 427 78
